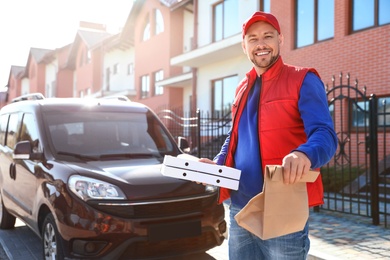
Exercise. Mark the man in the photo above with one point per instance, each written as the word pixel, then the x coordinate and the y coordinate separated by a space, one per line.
pixel 280 115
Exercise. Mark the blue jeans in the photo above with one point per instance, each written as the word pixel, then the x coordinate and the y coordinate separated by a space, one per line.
pixel 243 245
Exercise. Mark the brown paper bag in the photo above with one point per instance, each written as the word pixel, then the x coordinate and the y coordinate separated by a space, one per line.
pixel 280 209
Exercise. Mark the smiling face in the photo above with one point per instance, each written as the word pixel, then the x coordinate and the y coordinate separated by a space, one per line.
pixel 262 45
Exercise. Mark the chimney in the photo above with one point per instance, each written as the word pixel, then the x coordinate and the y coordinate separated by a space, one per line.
pixel 94 26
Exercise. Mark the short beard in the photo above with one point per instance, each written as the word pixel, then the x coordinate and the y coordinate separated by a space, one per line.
pixel 265 66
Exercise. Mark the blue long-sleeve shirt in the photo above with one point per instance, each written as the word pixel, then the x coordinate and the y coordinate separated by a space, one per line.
pixel 320 146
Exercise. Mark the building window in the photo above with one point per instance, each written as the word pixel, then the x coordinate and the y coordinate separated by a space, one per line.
pixel 158 76
pixel 370 13
pixel 360 110
pixel 108 78
pixel 115 69
pixel 130 69
pixel 223 94
pixel 265 6
pixel 89 57
pixel 145 86
pixel 159 21
pixel 314 21
pixel 225 20
pixel 51 90
pixel 146 31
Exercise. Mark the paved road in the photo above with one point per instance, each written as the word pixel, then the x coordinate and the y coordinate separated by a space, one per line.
pixel 21 243
pixel 333 237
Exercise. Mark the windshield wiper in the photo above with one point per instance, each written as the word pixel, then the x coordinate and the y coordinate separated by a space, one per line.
pixel 130 155
pixel 79 156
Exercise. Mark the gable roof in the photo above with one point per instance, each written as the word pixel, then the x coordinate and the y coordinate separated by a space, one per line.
pixel 16 71
pixel 127 34
pixel 90 38
pixel 38 54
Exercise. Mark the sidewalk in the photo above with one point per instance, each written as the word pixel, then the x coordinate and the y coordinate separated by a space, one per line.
pixel 338 237
pixel 333 237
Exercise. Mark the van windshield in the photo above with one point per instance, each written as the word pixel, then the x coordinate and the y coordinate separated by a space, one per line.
pixel 99 134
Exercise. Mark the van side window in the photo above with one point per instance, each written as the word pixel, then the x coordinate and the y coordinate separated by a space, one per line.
pixel 3 128
pixel 12 130
pixel 29 132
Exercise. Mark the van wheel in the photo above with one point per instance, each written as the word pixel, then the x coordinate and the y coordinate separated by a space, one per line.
pixel 51 240
pixel 7 221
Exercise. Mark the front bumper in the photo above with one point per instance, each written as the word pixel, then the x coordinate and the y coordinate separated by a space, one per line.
pixel 98 235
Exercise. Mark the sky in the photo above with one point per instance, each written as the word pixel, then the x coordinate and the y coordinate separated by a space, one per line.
pixel 50 24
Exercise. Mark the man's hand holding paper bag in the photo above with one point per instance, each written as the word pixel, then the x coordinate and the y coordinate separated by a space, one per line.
pixel 280 209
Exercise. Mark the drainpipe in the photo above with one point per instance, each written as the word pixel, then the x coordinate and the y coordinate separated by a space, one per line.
pixel 195 70
pixel 194 107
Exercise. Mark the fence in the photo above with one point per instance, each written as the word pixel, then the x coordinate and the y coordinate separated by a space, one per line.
pixel 357 179
pixel 206 132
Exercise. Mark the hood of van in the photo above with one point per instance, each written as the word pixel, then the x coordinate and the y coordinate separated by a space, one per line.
pixel 138 178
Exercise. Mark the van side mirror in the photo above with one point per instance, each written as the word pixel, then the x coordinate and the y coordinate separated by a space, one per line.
pixel 23 151
pixel 183 144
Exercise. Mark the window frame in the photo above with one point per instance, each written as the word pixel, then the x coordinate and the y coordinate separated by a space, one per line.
pixel 146 30
pixel 158 76
pixel 130 68
pixel 159 22
pixel 376 17
pixel 381 101
pixel 222 109
pixel 115 69
pixel 316 24
pixel 145 86
pixel 222 23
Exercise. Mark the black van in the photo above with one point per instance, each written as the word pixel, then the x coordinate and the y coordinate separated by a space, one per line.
pixel 84 175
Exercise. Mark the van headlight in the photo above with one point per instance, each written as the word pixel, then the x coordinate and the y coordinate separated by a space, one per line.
pixel 89 188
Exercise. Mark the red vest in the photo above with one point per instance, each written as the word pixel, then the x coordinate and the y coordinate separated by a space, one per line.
pixel 281 128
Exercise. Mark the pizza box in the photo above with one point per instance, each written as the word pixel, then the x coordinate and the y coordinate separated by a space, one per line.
pixel 188 167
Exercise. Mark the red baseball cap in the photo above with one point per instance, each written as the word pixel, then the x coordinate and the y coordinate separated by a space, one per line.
pixel 260 16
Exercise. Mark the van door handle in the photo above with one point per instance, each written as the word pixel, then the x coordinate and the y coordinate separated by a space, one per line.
pixel 12 171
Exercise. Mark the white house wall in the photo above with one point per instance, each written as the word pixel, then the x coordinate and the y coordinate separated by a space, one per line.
pixel 120 81
pixel 239 65
pixel 187 92
pixel 236 66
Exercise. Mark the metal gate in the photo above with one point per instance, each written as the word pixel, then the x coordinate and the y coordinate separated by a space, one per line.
pixel 356 179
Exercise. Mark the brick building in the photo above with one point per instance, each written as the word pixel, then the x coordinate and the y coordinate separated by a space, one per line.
pixel 187 54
